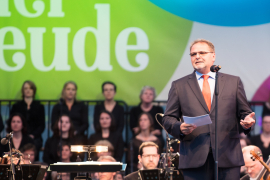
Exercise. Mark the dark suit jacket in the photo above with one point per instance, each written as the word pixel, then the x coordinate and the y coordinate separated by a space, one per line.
pixel 132 176
pixel 186 99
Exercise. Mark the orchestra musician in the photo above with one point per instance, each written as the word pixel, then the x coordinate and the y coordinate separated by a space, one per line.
pixel 148 157
pixel 253 168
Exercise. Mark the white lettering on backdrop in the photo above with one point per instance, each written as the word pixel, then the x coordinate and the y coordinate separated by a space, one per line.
pixel 60 60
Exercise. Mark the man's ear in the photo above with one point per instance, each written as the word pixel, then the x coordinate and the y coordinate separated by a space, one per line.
pixel 140 158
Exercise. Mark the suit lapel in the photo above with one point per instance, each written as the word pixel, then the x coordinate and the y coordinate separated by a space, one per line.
pixel 193 83
pixel 221 82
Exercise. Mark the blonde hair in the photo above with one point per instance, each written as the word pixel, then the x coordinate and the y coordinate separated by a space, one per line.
pixel 65 85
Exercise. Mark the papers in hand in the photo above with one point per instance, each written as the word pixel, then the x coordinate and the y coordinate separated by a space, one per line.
pixel 198 120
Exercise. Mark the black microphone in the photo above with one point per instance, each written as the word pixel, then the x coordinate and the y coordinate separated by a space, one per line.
pixel 215 68
pixel 4 141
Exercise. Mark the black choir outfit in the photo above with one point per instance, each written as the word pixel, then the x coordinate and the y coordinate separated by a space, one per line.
pixel 115 138
pixel 78 115
pixel 118 114
pixel 137 110
pixel 50 155
pixel 25 140
pixel 35 119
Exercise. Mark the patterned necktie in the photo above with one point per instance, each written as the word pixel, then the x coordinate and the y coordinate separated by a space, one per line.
pixel 206 91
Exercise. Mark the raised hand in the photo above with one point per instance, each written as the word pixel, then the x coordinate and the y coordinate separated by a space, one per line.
pixel 248 121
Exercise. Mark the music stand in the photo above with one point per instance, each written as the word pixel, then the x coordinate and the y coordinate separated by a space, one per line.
pixel 24 171
pixel 156 174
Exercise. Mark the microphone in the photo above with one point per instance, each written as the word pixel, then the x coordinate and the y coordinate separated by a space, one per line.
pixel 4 141
pixel 215 68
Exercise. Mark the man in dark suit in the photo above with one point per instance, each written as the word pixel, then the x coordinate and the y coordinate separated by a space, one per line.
pixel 193 95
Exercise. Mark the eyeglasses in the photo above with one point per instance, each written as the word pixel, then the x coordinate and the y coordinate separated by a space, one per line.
pixel 201 53
pixel 150 155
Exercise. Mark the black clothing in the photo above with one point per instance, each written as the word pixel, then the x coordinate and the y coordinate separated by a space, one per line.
pixel 35 116
pixel 256 141
pixel 25 140
pixel 118 114
pixel 50 155
pixel 78 115
pixel 132 176
pixel 133 152
pixel 115 138
pixel 136 111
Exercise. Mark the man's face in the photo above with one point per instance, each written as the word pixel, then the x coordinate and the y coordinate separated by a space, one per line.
pixel 253 167
pixel 106 175
pixel 149 158
pixel 202 62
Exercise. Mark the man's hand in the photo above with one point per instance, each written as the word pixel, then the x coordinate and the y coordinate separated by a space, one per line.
pixel 187 128
pixel 248 121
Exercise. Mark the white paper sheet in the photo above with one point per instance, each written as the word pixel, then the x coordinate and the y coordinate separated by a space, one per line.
pixel 198 120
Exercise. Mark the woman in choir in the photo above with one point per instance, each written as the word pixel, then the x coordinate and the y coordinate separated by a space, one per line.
pixel 147 96
pixel 32 111
pixel 106 131
pixel 109 104
pixel 145 125
pixel 16 124
pixel 63 132
pixel 76 110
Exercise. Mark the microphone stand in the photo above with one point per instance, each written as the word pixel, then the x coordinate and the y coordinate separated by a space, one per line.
pixel 61 113
pixel 216 125
pixel 12 167
pixel 168 168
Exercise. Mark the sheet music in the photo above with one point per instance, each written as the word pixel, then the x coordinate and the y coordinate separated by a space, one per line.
pixel 198 120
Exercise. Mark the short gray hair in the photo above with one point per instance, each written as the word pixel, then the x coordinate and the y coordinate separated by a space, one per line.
pixel 150 88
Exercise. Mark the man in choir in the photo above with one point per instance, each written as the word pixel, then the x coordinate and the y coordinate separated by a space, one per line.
pixel 148 157
pixel 253 168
